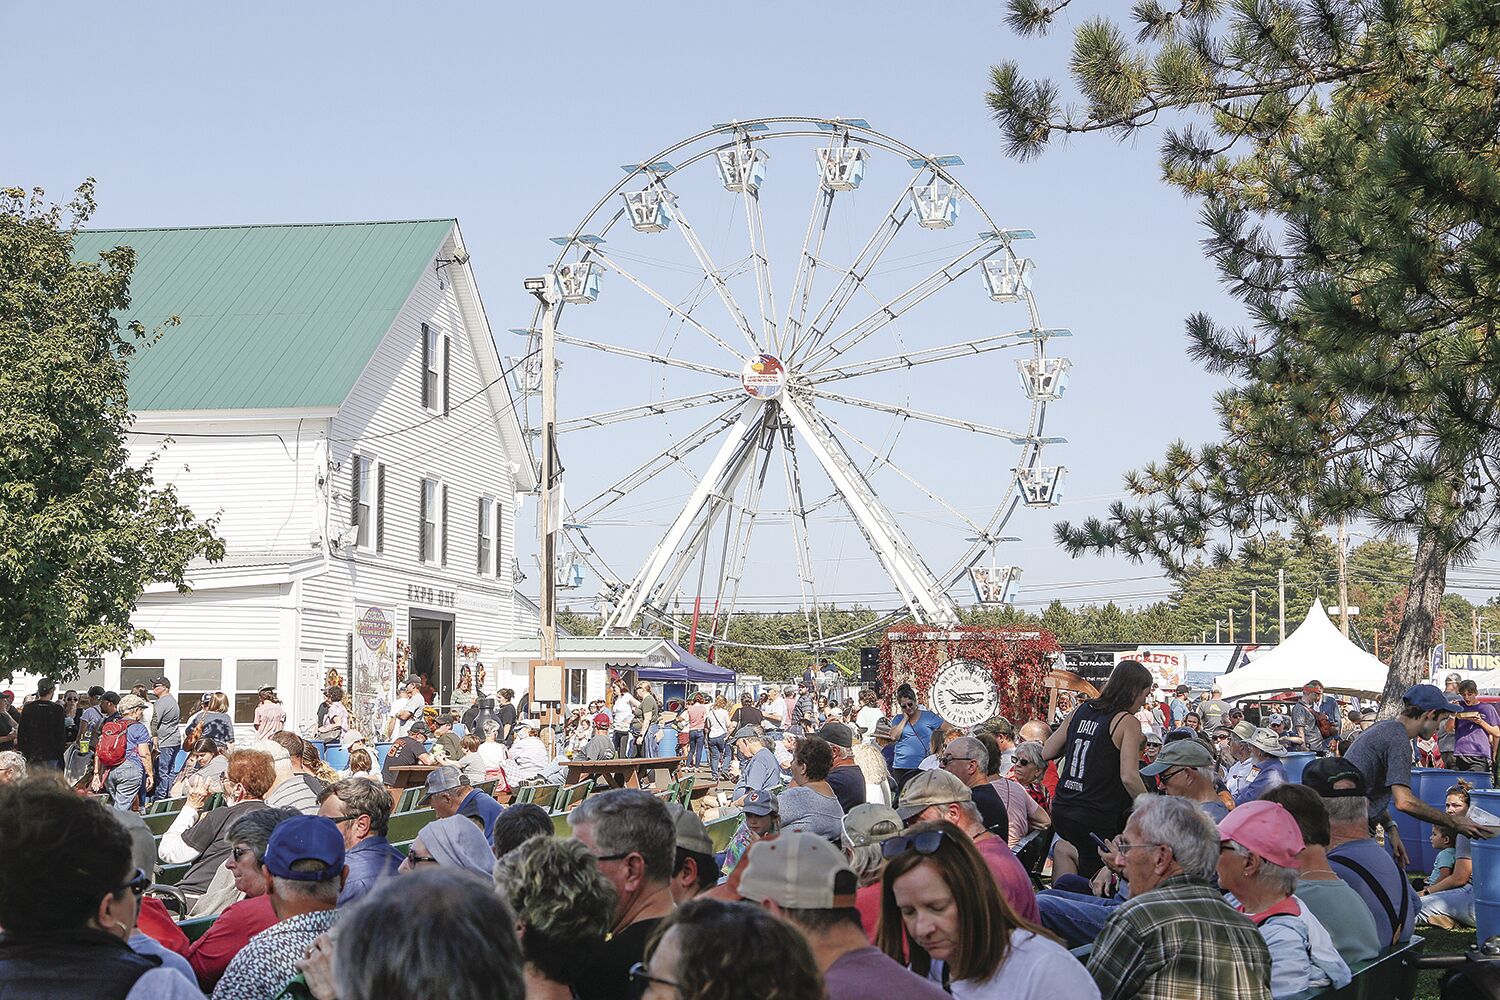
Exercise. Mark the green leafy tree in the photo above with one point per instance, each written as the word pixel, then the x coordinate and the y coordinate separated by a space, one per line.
pixel 82 530
pixel 1346 156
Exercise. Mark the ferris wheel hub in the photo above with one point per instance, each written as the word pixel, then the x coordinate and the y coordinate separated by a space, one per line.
pixel 764 376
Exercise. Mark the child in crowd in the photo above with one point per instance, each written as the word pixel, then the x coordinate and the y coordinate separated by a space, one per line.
pixel 1449 902
pixel 1442 841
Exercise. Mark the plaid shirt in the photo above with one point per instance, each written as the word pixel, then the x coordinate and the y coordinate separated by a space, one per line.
pixel 1180 941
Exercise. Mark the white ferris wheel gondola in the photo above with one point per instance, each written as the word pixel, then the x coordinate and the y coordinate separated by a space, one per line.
pixel 797 391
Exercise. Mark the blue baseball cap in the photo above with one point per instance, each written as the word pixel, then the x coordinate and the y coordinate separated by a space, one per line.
pixel 1428 698
pixel 305 838
pixel 759 802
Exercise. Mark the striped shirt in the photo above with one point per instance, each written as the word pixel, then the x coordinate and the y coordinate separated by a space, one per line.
pixel 1180 941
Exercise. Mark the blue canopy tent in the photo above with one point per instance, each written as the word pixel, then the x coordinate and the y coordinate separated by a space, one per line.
pixel 686 667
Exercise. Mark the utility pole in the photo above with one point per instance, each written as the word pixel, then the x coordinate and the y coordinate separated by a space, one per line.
pixel 545 290
pixel 1475 613
pixel 1343 580
pixel 1254 594
pixel 1217 623
pixel 1281 605
pixel 1231 624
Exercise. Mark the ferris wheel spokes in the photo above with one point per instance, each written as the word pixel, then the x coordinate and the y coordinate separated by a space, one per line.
pixel 711 271
pixel 1014 437
pixel 853 278
pixel 608 261
pixel 819 352
pixel 807 266
pixel 919 588
pixel 660 359
pixel 654 409
pixel 735 559
pixel 926 356
pixel 673 454
pixel 765 292
pixel 800 539
pixel 727 462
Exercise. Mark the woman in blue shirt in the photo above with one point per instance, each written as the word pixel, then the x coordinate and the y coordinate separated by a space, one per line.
pixel 133 776
pixel 911 730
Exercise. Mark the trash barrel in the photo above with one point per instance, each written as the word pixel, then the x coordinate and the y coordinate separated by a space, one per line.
pixel 1486 880
pixel 1431 784
pixel 1295 762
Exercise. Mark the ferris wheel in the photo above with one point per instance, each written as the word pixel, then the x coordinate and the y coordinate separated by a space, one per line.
pixel 721 387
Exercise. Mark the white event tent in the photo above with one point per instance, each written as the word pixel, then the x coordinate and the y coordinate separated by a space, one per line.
pixel 1317 650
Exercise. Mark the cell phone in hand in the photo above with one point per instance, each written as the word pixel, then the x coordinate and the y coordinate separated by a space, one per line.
pixel 1103 844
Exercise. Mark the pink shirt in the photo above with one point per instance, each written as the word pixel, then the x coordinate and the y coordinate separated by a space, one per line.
pixel 270 719
pixel 1020 808
pixel 696 713
pixel 1014 883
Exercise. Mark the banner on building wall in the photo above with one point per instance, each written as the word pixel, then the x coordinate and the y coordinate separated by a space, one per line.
pixel 1169 669
pixel 373 668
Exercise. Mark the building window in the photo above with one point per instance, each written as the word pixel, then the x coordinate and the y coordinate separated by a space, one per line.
pixel 90 673
pixel 486 563
pixel 434 522
pixel 435 350
pixel 196 678
pixel 575 683
pixel 133 672
pixel 249 677
pixel 363 501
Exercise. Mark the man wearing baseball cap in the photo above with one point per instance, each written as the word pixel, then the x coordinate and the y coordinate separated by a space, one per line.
pixel 1238 767
pixel 406 751
pixel 304 869
pixel 1383 755
pixel 845 777
pixel 1186 768
pixel 758 766
pixel 1259 844
pixel 1353 854
pixel 600 746
pixel 694 869
pixel 450 794
pixel 804 880
pixel 1266 769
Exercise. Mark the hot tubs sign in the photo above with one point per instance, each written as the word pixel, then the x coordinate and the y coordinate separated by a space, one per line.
pixel 963 693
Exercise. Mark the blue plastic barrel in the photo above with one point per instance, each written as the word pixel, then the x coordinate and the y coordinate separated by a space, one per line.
pixel 381 749
pixel 1431 784
pixel 1486 854
pixel 1295 762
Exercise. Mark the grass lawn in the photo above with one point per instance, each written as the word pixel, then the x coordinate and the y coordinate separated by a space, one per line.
pixel 1440 942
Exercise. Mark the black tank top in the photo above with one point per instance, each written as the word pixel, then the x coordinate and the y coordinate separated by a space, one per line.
pixel 1089 777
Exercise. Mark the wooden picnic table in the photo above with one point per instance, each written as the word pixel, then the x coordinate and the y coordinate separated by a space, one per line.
pixel 408 776
pixel 625 772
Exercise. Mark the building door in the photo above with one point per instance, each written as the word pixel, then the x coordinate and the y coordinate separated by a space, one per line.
pixel 431 636
pixel 309 693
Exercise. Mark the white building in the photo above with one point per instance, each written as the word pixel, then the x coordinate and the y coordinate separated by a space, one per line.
pixel 333 398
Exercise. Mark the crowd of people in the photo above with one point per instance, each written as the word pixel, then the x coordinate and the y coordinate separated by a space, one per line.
pixel 876 853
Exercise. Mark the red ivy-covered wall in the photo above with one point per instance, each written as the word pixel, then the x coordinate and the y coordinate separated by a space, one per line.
pixel 1018 660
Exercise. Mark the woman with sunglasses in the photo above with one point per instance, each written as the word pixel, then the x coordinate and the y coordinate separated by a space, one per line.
pixel 455 842
pixel 941 909
pixel 708 949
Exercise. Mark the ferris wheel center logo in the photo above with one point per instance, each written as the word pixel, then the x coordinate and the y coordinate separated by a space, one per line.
pixel 963 693
pixel 374 628
pixel 763 376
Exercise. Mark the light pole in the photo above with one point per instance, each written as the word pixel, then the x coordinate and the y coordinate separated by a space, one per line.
pixel 548 519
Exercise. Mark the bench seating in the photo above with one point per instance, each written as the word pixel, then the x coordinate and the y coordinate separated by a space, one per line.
pixel 406 826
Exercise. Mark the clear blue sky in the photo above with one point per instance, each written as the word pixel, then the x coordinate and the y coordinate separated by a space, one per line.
pixel 514 118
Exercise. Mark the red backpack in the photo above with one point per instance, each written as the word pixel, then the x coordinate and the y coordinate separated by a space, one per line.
pixel 112 743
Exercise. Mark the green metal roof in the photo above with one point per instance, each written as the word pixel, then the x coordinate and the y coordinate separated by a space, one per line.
pixel 273 317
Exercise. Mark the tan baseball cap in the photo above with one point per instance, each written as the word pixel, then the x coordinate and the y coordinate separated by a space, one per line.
pixel 931 788
pixel 799 871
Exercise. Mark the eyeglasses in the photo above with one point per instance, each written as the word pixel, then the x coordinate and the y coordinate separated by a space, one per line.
pixel 415 859
pixel 641 976
pixel 240 852
pixel 345 819
pixel 1125 846
pixel 924 843
pixel 947 759
pixel 138 883
pixel 614 857
pixel 1167 776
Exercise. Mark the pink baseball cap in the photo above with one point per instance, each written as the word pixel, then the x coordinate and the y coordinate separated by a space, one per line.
pixel 1266 829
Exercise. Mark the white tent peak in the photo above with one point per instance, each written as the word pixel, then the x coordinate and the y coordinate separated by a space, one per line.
pixel 1316 650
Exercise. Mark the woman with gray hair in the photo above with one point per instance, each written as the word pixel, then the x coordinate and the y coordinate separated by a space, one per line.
pixel 454 842
pixel 1024 815
pixel 12 767
pixel 492 751
pixel 1259 845
pixel 564 908
pixel 467 948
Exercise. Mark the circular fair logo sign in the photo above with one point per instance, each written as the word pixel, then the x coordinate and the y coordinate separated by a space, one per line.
pixel 763 376
pixel 963 693
pixel 374 628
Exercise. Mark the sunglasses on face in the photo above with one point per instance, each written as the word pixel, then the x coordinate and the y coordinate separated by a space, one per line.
pixel 641 976
pixel 240 852
pixel 138 883
pixel 924 843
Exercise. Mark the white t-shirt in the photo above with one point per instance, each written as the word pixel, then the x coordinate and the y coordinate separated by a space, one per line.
pixel 622 712
pixel 718 723
pixel 493 755
pixel 414 705
pixel 867 719
pixel 1036 969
